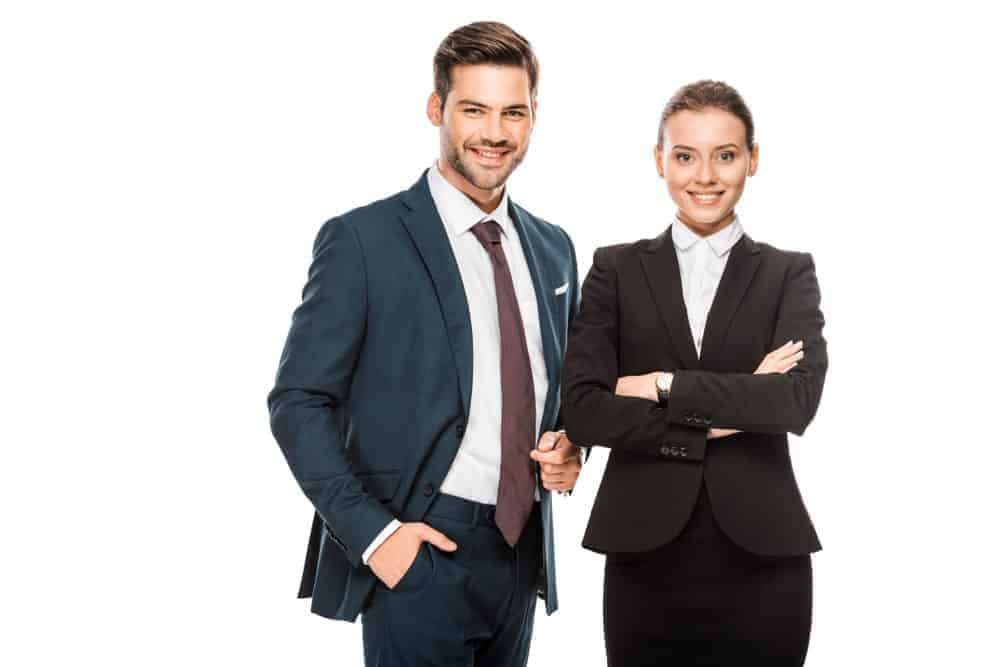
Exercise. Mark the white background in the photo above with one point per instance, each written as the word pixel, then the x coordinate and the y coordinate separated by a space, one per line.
pixel 164 168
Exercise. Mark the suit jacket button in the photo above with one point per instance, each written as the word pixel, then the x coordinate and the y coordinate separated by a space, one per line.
pixel 460 429
pixel 428 490
pixel 665 450
pixel 684 451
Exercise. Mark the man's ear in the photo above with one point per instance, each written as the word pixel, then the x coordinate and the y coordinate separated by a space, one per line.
pixel 658 156
pixel 754 154
pixel 434 110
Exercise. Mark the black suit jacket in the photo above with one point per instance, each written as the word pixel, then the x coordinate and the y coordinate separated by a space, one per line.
pixel 632 321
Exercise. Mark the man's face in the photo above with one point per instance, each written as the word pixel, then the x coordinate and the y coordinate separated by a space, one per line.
pixel 485 124
pixel 705 162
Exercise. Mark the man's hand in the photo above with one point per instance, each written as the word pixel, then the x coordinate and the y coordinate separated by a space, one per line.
pixel 395 556
pixel 559 461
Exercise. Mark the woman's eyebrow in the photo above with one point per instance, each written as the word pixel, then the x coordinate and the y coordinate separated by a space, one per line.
pixel 689 148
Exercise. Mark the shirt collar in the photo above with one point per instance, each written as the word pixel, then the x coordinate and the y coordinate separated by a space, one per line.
pixel 458 212
pixel 721 241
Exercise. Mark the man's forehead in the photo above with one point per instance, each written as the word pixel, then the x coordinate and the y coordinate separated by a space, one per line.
pixel 491 84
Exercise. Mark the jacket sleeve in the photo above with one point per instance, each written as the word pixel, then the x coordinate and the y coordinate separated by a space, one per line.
pixel 574 308
pixel 767 403
pixel 307 403
pixel 591 411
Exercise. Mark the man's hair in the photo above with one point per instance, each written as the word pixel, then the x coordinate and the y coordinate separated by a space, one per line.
pixel 483 42
pixel 707 94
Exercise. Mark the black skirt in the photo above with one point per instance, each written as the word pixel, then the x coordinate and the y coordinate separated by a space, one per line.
pixel 703 600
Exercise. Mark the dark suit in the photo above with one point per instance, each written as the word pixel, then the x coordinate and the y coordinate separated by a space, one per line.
pixel 372 393
pixel 633 321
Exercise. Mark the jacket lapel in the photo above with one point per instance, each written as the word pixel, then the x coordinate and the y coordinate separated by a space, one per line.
pixel 424 225
pixel 529 242
pixel 744 258
pixel 663 276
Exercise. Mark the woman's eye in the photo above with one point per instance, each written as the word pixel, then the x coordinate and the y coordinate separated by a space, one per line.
pixel 683 157
pixel 726 156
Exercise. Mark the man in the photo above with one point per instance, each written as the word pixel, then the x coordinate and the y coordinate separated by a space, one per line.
pixel 420 372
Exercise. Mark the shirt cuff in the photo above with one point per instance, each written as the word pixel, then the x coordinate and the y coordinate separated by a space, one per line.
pixel 379 539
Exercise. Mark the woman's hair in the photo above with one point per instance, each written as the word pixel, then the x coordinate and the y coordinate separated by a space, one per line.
pixel 707 94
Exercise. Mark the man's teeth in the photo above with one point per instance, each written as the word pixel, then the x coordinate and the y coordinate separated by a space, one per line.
pixel 489 154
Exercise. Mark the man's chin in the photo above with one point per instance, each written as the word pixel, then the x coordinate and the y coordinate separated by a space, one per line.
pixel 485 180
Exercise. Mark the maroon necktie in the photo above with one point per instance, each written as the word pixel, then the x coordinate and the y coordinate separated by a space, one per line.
pixel 516 493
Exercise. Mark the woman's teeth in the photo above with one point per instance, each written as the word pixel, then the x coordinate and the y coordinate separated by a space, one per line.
pixel 710 198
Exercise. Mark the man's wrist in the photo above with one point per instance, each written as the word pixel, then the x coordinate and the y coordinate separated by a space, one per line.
pixel 386 533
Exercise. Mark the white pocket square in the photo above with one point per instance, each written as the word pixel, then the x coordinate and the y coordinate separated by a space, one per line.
pixel 562 289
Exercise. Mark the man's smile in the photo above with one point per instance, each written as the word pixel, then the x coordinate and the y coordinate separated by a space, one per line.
pixel 490 157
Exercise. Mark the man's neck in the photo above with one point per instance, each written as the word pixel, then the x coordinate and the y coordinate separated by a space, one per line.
pixel 486 200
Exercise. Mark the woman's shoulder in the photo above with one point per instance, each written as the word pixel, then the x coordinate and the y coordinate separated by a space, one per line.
pixel 783 255
pixel 614 255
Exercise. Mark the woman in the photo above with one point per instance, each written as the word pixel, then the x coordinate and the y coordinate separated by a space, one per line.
pixel 692 357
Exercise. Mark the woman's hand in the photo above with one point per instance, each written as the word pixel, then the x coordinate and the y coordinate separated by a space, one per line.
pixel 639 386
pixel 781 360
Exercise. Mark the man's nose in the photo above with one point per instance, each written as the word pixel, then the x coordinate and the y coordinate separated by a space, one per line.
pixel 493 131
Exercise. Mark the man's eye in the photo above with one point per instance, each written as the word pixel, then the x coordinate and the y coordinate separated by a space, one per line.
pixel 516 114
pixel 473 110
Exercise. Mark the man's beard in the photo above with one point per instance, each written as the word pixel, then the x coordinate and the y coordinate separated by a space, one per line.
pixel 488 181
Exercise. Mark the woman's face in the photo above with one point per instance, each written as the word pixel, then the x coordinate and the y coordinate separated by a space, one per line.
pixel 705 162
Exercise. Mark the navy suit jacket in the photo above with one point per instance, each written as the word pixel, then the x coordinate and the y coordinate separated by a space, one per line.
pixel 372 392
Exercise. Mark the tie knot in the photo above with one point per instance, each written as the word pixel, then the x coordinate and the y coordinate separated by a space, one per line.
pixel 488 233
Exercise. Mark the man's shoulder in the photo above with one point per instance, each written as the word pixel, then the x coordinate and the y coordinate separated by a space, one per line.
pixel 383 209
pixel 548 231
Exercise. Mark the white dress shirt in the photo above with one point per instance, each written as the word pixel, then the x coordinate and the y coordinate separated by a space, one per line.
pixel 702 261
pixel 475 472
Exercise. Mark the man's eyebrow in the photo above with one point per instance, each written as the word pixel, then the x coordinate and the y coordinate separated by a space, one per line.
pixel 688 148
pixel 474 103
